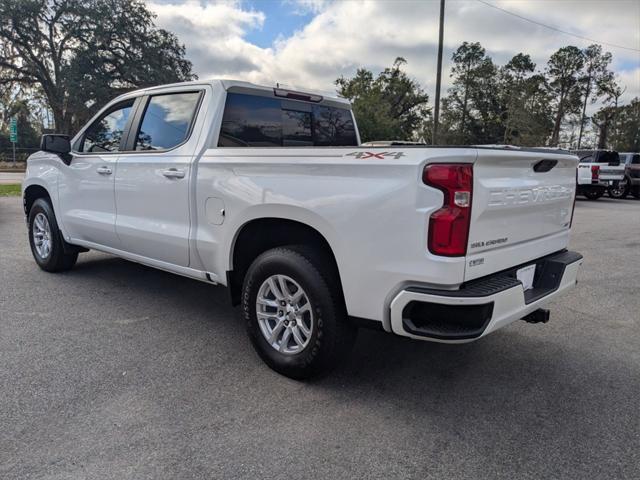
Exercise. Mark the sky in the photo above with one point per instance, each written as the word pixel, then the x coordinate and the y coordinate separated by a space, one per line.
pixel 310 43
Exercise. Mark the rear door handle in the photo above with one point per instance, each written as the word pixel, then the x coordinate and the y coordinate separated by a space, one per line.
pixel 173 173
pixel 104 171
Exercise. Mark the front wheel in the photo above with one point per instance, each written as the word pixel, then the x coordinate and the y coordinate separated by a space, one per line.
pixel 294 312
pixel 594 193
pixel 45 239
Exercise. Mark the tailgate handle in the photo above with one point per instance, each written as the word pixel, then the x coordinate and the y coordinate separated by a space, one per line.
pixel 544 165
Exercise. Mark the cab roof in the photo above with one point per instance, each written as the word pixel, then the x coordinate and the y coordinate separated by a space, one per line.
pixel 242 85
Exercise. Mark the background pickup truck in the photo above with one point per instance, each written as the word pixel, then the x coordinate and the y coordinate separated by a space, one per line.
pixel 267 192
pixel 598 171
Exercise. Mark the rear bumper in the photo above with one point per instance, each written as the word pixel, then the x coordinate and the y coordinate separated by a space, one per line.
pixel 600 184
pixel 483 305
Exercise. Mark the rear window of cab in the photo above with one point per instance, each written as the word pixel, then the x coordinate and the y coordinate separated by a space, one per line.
pixel 257 121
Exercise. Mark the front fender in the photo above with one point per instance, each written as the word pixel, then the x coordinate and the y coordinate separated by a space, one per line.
pixel 43 170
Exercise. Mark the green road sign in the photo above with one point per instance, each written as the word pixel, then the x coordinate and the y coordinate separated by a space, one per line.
pixel 13 130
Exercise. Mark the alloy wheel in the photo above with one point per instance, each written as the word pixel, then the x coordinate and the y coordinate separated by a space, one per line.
pixel 42 235
pixel 284 314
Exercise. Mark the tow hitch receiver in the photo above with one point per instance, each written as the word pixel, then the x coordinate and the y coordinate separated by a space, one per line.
pixel 538 316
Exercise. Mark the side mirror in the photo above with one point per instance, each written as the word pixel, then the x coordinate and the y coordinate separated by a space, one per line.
pixel 58 144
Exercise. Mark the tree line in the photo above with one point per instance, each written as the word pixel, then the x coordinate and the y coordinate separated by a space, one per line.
pixel 516 103
pixel 61 60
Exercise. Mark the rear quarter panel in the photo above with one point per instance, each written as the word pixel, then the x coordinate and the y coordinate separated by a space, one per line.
pixel 373 213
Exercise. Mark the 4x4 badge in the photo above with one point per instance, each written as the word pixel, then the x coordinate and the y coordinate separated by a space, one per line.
pixel 381 155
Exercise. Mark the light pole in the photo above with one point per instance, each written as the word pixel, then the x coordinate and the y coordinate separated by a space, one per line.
pixel 436 111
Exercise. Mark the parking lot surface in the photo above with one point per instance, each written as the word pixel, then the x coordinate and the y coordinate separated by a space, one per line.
pixel 116 371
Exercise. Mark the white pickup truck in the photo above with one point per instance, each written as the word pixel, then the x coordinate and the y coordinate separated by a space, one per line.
pixel 267 192
pixel 598 171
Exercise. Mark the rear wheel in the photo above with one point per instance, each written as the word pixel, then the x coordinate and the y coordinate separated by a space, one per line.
pixel 594 193
pixel 621 190
pixel 295 314
pixel 45 239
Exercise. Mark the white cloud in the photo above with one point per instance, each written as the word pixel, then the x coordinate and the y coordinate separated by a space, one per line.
pixel 631 79
pixel 213 35
pixel 345 35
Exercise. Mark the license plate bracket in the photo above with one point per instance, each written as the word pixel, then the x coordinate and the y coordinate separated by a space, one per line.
pixel 526 275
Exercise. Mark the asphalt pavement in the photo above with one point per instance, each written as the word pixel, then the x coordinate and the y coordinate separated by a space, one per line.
pixel 118 371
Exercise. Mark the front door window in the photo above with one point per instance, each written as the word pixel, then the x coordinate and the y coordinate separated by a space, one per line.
pixel 105 134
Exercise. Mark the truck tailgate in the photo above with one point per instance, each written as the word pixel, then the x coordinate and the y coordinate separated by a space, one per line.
pixel 611 173
pixel 521 210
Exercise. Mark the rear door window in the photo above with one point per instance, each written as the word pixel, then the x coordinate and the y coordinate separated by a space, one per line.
pixel 251 121
pixel 167 120
pixel 256 121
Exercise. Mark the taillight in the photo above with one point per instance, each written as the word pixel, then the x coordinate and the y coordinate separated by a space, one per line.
pixel 595 172
pixel 449 226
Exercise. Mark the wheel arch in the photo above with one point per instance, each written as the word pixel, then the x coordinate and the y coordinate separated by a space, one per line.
pixel 32 193
pixel 258 235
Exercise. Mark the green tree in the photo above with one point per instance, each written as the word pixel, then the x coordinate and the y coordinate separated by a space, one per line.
pixel 82 53
pixel 605 118
pixel 387 107
pixel 563 77
pixel 28 128
pixel 16 103
pixel 469 64
pixel 535 130
pixel 625 137
pixel 596 79
pixel 473 110
pixel 514 76
pixel 527 116
pixel 487 125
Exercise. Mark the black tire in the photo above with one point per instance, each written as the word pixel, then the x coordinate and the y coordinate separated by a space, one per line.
pixel 332 335
pixel 57 260
pixel 594 193
pixel 621 191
